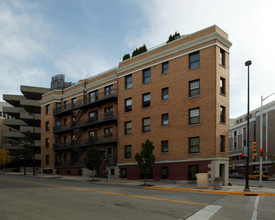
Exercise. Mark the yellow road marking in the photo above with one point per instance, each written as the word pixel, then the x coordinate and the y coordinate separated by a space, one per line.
pixel 215 192
pixel 105 192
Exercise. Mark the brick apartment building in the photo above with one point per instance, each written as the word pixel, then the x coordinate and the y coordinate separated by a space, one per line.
pixel 176 95
pixel 238 140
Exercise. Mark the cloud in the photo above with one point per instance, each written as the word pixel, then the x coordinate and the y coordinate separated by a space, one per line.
pixel 249 25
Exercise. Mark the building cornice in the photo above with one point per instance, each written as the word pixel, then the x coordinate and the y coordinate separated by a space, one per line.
pixel 178 49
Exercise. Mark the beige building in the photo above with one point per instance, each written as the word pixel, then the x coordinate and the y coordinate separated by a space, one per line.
pixel 238 141
pixel 24 112
pixel 175 95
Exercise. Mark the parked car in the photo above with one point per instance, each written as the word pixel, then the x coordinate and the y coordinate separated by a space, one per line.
pixel 236 175
pixel 256 175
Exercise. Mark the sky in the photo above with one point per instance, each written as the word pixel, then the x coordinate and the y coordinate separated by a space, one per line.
pixel 80 38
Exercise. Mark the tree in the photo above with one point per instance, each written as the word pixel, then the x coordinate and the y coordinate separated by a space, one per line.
pixel 140 50
pixel 93 158
pixel 126 56
pixel 173 37
pixel 146 159
pixel 4 157
pixel 25 150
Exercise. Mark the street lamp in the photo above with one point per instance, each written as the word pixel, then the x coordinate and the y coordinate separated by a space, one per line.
pixel 246 189
pixel 261 138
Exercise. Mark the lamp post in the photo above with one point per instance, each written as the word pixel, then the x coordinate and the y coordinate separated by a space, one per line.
pixel 246 189
pixel 261 138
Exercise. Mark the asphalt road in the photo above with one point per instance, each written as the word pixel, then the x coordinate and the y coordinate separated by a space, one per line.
pixel 28 197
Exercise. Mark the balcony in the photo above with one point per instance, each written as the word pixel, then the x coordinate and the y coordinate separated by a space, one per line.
pixel 98 120
pixel 100 99
pixel 111 139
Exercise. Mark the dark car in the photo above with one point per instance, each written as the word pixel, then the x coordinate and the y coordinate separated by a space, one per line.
pixel 236 175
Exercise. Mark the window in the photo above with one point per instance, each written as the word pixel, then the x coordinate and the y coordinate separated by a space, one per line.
pixel 164 172
pixel 165 67
pixel 194 60
pixel 58 123
pixel 146 100
pixel 47 125
pixel 222 57
pixel 65 104
pixel 222 114
pixel 128 105
pixel 65 122
pixel 93 116
pixel 194 88
pixel 47 141
pixel 47 109
pixel 146 75
pixel 164 146
pixel 73 120
pixel 128 128
pixel 222 86
pixel 194 116
pixel 93 96
pixel 58 106
pixel 128 81
pixel 47 158
pixel 109 90
pixel 73 102
pixel 194 145
pixel 165 93
pixel 222 143
pixel 128 151
pixel 93 134
pixel 58 141
pixel 164 119
pixel 65 140
pixel 108 112
pixel 146 124
pixel 108 132
pixel 65 157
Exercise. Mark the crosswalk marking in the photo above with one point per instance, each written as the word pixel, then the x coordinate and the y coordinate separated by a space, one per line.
pixel 206 213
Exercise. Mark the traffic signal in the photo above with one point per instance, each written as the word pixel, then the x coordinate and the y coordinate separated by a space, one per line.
pixel 254 153
pixel 262 152
pixel 242 156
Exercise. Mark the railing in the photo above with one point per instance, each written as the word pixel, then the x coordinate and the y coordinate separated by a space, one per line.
pixel 86 142
pixel 101 97
pixel 99 119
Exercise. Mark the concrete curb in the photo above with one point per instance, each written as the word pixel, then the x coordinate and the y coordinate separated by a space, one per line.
pixel 214 192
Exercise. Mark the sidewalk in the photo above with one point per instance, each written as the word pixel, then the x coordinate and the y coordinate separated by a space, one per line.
pixel 235 189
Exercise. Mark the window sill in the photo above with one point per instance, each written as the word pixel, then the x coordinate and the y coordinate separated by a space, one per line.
pixel 196 96
pixel 194 153
pixel 127 135
pixel 127 88
pixel 145 132
pixel 128 112
pixel 164 152
pixel 222 94
pixel 146 107
pixel 163 74
pixel 127 158
pixel 222 123
pixel 222 66
pixel 163 126
pixel 193 68
pixel 194 125
pixel 146 83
